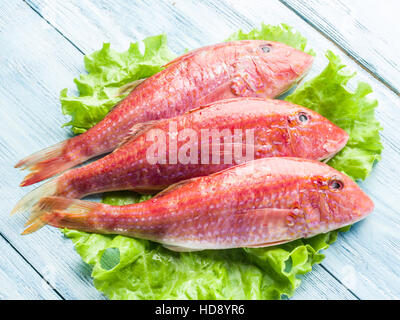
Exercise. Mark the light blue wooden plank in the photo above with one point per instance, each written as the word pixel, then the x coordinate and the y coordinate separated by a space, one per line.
pixel 116 26
pixel 366 29
pixel 319 284
pixel 369 260
pixel 36 62
pixel 327 289
pixel 19 281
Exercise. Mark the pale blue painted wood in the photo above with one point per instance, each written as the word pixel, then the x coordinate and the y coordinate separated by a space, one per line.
pixel 368 30
pixel 106 25
pixel 365 260
pixel 350 260
pixel 18 280
pixel 35 63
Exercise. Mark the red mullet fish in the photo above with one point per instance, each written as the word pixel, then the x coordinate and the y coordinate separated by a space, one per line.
pixel 255 204
pixel 248 68
pixel 279 129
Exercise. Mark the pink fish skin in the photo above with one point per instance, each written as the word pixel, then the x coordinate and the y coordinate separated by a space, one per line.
pixel 278 132
pixel 250 68
pixel 255 204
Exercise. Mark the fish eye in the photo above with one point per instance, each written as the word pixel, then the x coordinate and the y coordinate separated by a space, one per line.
pixel 266 48
pixel 335 184
pixel 303 117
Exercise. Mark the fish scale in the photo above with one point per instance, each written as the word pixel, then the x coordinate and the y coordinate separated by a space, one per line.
pixel 277 131
pixel 203 76
pixel 229 214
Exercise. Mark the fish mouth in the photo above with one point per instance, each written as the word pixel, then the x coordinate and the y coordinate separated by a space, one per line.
pixel 294 84
pixel 305 72
pixel 340 145
pixel 299 79
pixel 362 214
pixel 370 207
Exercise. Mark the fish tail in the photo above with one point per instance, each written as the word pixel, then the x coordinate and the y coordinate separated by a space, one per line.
pixel 45 163
pixel 50 188
pixel 62 213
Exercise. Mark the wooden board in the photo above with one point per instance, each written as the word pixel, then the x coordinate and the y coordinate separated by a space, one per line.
pixel 36 64
pixel 365 29
pixel 19 280
pixel 45 45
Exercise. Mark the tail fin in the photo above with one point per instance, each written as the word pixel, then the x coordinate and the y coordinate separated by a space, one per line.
pixel 29 200
pixel 45 164
pixel 62 213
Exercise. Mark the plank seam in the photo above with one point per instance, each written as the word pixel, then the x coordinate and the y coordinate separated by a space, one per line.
pixel 55 28
pixel 333 276
pixel 33 268
pixel 211 3
pixel 348 53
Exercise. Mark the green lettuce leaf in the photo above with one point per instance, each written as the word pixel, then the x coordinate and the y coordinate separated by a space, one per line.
pixel 127 268
pixel 352 111
pixel 108 71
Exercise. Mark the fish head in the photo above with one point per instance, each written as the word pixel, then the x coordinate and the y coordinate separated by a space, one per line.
pixel 312 136
pixel 279 66
pixel 344 202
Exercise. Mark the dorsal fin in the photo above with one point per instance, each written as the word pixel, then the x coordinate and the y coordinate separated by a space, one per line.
pixel 197 109
pixel 136 131
pixel 174 186
pixel 180 249
pixel 192 52
pixel 180 58
pixel 127 88
pixel 268 244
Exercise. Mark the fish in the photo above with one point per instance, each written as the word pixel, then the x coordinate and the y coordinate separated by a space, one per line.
pixel 279 129
pixel 247 68
pixel 257 203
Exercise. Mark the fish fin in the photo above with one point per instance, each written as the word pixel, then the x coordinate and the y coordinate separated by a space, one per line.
pixel 180 249
pixel 274 212
pixel 280 225
pixel 181 58
pixel 268 244
pixel 241 87
pixel 61 213
pixel 246 81
pixel 174 186
pixel 129 87
pixel 48 188
pixel 35 226
pixel 197 109
pixel 137 130
pixel 45 163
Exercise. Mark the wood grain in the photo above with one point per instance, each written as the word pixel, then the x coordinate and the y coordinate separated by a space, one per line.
pixel 19 280
pixel 36 62
pixel 368 30
pixel 362 264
